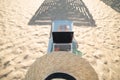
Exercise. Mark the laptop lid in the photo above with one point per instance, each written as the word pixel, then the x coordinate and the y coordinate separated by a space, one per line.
pixel 62 37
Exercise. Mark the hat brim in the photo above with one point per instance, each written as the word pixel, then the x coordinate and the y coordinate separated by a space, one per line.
pixel 64 62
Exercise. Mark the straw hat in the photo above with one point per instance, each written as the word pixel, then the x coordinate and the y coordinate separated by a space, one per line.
pixel 61 62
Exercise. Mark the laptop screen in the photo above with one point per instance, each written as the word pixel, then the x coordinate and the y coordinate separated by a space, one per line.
pixel 62 37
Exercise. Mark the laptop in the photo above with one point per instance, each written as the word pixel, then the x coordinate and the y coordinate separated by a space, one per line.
pixel 62 41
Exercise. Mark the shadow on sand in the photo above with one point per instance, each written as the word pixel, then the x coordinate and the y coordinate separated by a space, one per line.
pixel 114 4
pixel 74 10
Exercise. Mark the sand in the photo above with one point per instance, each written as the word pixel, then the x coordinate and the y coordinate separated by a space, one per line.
pixel 21 44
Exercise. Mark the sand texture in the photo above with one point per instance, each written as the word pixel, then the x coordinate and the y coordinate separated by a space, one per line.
pixel 25 27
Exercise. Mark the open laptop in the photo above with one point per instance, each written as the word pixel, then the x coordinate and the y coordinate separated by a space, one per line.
pixel 62 41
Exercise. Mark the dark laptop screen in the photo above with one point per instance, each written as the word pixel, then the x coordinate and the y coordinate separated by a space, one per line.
pixel 62 37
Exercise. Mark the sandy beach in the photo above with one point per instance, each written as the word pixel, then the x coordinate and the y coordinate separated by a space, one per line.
pixel 21 43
